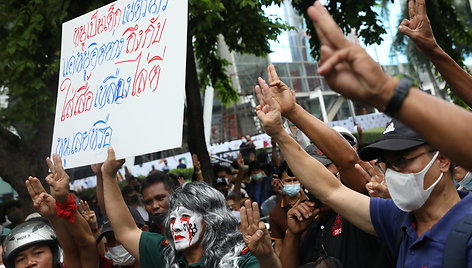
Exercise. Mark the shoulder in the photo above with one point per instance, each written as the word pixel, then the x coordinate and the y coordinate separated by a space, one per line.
pixel 151 249
pixel 247 260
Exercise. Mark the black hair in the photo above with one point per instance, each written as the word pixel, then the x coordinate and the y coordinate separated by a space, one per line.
pixel 127 190
pixel 254 165
pixel 157 177
pixel 284 168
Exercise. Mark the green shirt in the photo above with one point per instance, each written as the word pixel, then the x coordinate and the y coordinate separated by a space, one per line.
pixel 151 254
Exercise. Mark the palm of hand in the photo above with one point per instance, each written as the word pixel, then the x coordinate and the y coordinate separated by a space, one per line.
pixel 271 119
pixel 284 96
pixel 258 247
pixel 59 184
pixel 45 205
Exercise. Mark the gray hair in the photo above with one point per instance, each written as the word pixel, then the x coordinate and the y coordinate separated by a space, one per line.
pixel 222 242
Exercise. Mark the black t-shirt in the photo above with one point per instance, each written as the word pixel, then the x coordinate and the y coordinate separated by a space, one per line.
pixel 342 240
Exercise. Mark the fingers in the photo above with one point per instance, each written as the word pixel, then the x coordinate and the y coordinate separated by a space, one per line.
pixel 272 74
pixel 421 8
pixel 30 188
pixel 411 8
pixel 255 211
pixel 259 96
pixel 50 165
pixel 334 59
pixel 328 31
pixel 57 162
pixel 243 215
pixel 362 171
pixel 36 185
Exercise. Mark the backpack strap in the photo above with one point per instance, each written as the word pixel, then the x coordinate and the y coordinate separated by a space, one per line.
pixel 455 249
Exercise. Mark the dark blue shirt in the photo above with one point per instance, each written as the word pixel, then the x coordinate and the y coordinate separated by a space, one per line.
pixel 418 252
pixel 260 191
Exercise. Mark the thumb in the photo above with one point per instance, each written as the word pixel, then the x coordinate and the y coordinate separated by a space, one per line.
pixel 111 154
pixel 406 30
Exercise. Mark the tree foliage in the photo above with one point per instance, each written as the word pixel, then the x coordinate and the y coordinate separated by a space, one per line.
pixel 30 57
pixel 358 15
pixel 452 34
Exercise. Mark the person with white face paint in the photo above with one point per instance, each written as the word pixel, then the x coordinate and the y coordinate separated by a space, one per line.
pixel 200 229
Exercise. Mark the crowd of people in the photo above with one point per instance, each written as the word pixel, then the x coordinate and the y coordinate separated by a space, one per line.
pixel 401 201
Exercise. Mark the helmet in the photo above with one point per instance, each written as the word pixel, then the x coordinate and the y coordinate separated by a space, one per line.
pixel 346 134
pixel 26 235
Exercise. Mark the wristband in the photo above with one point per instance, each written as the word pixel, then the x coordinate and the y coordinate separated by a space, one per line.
pixel 399 94
pixel 67 210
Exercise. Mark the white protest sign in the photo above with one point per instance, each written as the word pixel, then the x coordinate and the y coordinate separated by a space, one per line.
pixel 121 81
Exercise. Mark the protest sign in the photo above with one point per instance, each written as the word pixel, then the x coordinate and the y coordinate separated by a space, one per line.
pixel 121 81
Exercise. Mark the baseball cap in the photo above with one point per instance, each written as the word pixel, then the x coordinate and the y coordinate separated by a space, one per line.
pixel 138 219
pixel 396 137
pixel 317 154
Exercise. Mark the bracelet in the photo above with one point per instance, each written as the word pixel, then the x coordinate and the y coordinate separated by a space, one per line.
pixel 399 94
pixel 67 210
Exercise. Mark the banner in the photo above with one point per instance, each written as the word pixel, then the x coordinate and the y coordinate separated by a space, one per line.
pixel 121 81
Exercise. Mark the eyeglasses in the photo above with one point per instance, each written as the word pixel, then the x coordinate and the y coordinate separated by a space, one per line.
pixel 400 163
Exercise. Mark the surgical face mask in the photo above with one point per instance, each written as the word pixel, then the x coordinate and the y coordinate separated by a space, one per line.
pixel 237 216
pixel 407 189
pixel 120 256
pixel 466 182
pixel 292 189
pixel 257 176
pixel 244 140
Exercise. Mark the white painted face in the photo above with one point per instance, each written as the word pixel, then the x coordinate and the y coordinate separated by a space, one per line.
pixel 186 227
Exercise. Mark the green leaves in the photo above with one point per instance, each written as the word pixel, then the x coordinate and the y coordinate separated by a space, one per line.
pixel 243 27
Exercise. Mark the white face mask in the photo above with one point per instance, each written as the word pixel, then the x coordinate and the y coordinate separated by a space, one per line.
pixel 186 227
pixel 407 189
pixel 466 182
pixel 119 255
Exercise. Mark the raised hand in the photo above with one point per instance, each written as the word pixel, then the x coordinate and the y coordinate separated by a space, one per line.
pixel 418 27
pixel 376 185
pixel 268 110
pixel 58 179
pixel 97 169
pixel 301 216
pixel 255 234
pixel 43 202
pixel 347 67
pixel 281 92
pixel 88 214
pixel 111 166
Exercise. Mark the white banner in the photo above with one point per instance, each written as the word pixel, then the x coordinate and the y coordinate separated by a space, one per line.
pixel 121 81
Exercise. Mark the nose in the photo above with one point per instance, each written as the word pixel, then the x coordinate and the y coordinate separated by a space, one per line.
pixel 155 205
pixel 31 263
pixel 177 225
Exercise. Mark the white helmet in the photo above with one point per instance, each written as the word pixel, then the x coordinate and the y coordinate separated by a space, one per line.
pixel 346 134
pixel 26 235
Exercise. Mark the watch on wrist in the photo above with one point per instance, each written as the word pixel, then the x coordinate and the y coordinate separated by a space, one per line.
pixel 399 94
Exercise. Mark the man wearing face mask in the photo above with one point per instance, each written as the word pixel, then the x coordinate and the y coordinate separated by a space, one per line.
pixel 115 252
pixel 260 187
pixel 463 177
pixel 291 196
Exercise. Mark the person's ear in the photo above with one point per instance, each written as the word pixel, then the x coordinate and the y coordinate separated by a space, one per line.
pixel 444 163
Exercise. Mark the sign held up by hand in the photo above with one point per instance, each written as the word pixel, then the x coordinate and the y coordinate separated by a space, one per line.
pixel 121 81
